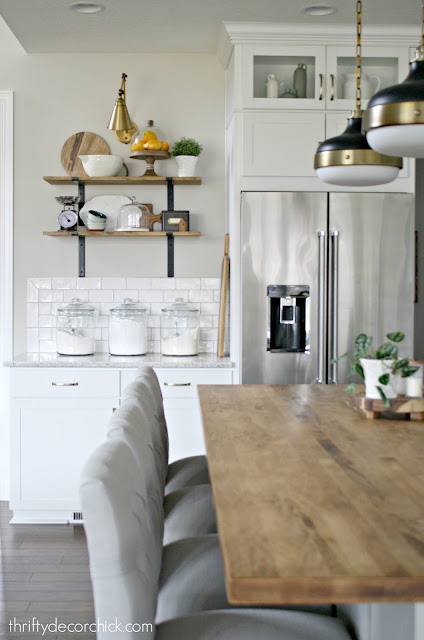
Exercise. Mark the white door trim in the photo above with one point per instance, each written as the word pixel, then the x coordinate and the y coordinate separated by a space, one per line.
pixel 6 277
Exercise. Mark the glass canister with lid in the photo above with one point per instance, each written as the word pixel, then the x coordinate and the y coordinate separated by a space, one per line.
pixel 179 329
pixel 75 329
pixel 128 329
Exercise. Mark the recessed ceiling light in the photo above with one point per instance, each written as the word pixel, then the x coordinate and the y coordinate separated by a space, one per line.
pixel 86 7
pixel 319 10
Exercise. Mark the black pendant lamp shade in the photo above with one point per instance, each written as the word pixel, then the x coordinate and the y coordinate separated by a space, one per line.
pixel 394 118
pixel 348 160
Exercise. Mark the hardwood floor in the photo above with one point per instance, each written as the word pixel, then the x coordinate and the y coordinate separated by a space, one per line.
pixel 44 577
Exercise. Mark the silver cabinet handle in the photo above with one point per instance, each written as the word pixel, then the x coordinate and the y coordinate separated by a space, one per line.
pixel 177 384
pixel 334 304
pixel 332 86
pixel 322 305
pixel 65 384
pixel 321 80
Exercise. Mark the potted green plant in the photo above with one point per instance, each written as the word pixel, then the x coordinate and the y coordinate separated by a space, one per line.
pixel 383 370
pixel 186 152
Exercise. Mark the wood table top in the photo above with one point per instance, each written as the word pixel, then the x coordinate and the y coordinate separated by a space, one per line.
pixel 315 503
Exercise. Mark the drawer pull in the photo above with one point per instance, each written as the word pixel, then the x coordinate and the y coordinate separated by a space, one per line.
pixel 64 384
pixel 177 384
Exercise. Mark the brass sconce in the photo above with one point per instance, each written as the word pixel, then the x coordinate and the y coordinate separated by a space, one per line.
pixel 120 120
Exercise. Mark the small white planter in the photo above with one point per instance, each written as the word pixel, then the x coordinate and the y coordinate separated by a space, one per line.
pixel 373 369
pixel 186 166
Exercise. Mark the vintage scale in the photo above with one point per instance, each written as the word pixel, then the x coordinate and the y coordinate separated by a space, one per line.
pixel 68 217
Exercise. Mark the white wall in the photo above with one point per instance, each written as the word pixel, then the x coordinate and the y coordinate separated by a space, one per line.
pixel 58 95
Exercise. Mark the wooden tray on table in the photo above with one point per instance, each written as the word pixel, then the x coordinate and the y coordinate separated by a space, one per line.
pixel 412 407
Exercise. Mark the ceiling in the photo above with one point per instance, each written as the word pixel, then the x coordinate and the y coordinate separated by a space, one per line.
pixel 180 26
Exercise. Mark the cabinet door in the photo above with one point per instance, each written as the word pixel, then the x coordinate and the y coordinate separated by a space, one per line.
pixel 51 440
pixel 261 61
pixel 380 68
pixel 281 144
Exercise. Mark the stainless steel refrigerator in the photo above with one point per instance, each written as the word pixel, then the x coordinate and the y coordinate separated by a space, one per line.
pixel 317 269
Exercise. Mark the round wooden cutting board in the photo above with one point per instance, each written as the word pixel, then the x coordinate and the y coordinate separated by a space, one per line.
pixel 82 143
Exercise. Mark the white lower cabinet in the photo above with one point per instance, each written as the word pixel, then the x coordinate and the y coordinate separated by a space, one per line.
pixel 59 416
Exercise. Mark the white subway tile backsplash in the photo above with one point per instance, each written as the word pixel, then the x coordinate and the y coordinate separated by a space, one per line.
pixel 210 283
pixel 139 283
pixel 46 295
pixel 200 295
pixel 42 283
pixel 187 283
pixel 63 283
pixel 114 283
pixel 151 295
pixel 122 294
pixel 33 340
pixel 89 283
pixel 171 296
pixel 45 308
pixel 163 283
pixel 32 292
pixel 32 314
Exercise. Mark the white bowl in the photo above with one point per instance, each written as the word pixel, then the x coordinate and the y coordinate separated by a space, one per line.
pixel 101 166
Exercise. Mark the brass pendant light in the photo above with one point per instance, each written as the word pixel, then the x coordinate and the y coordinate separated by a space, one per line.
pixel 394 118
pixel 347 159
pixel 120 120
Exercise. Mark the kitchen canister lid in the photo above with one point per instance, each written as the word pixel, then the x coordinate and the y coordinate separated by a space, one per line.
pixel 128 308
pixel 179 308
pixel 76 308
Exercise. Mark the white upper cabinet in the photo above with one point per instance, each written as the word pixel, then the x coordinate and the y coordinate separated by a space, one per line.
pixel 330 75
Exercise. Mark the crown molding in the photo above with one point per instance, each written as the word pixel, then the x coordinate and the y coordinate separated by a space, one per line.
pixel 269 33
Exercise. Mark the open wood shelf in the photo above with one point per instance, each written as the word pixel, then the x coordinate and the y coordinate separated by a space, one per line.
pixel 123 180
pixel 103 234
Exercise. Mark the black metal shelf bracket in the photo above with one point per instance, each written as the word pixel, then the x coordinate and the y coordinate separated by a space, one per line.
pixel 170 239
pixel 81 239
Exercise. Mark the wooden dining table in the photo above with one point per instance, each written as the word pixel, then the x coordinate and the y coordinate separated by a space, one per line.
pixel 314 502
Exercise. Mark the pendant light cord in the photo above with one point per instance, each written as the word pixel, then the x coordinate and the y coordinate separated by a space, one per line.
pixel 358 53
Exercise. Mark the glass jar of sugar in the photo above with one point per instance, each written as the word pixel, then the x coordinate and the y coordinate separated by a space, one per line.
pixel 128 329
pixel 179 329
pixel 75 329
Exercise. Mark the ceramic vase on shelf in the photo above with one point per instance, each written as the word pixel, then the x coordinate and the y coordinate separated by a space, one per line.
pixel 186 166
pixel 299 81
pixel 373 369
pixel 272 86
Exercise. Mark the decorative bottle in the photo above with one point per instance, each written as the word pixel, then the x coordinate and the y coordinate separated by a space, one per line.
pixel 272 86
pixel 299 80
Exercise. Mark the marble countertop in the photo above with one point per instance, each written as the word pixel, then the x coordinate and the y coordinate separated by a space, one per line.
pixel 106 361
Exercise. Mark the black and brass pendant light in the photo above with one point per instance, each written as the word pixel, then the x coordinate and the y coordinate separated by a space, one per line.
pixel 394 118
pixel 347 159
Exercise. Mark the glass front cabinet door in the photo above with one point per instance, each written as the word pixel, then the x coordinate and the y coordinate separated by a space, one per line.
pixel 317 77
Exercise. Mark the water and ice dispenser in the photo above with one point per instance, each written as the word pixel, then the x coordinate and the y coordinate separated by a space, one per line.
pixel 288 318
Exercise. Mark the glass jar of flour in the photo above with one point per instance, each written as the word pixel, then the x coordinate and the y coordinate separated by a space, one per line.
pixel 75 329
pixel 128 329
pixel 179 330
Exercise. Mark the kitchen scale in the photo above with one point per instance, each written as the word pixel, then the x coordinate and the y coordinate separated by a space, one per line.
pixel 68 217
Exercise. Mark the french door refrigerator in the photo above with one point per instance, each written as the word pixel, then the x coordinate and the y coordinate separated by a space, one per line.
pixel 318 269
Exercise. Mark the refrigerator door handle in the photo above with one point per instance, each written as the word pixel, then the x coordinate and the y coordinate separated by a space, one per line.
pixel 322 306
pixel 334 305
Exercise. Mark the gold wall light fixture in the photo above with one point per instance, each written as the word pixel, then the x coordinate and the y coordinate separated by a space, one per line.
pixel 120 121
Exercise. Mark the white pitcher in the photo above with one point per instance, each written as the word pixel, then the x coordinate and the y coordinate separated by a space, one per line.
pixel 367 88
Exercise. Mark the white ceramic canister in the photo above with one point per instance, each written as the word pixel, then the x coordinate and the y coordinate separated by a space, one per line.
pixel 414 383
pixel 179 329
pixel 75 329
pixel 128 329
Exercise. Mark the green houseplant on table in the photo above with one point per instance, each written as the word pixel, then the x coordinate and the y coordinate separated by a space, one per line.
pixel 383 370
pixel 186 152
